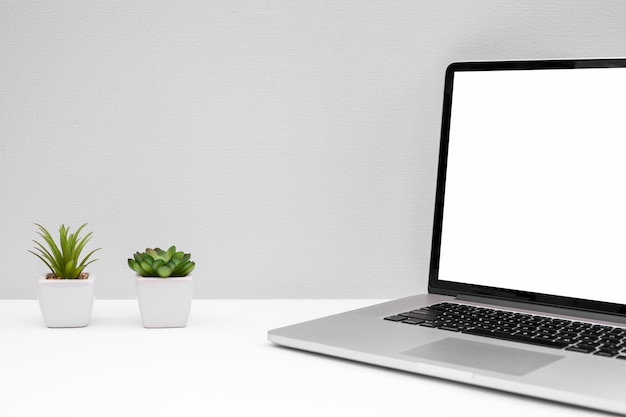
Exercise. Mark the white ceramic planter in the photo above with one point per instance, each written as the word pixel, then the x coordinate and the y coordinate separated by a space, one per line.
pixel 164 302
pixel 66 302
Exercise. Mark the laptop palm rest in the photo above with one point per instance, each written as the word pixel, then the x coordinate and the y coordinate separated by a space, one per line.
pixel 483 356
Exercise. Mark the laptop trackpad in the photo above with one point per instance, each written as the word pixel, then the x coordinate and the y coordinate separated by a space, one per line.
pixel 483 356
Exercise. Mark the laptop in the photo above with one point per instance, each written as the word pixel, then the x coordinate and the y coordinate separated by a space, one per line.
pixel 527 280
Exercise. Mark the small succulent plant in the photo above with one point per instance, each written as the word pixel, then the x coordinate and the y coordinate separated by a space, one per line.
pixel 161 263
pixel 63 259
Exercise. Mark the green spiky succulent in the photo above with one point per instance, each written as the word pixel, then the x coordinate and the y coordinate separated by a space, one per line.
pixel 63 259
pixel 161 263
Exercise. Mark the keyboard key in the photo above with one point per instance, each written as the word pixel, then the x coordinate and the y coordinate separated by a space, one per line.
pixel 449 328
pixel 568 340
pixel 419 316
pixel 610 346
pixel 440 307
pixel 395 318
pixel 581 349
pixel 412 321
pixel 606 352
pixel 547 337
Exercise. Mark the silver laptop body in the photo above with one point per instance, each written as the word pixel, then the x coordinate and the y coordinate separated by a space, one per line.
pixel 527 281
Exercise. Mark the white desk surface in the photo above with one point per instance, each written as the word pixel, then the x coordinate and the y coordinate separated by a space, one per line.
pixel 221 364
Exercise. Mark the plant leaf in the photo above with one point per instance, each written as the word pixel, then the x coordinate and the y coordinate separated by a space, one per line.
pixel 44 261
pixel 170 253
pixel 164 271
pixel 188 269
pixel 80 244
pixel 82 263
pixel 56 253
pixel 68 271
pixel 147 269
pixel 157 264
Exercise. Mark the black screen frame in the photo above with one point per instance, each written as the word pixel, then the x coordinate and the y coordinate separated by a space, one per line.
pixel 452 288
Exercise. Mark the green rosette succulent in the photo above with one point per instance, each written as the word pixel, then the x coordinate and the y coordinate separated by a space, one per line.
pixel 161 263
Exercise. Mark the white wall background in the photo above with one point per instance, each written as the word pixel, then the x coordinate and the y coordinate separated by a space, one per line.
pixel 290 146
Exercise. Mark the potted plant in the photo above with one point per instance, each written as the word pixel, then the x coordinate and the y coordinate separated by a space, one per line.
pixel 66 293
pixel 164 286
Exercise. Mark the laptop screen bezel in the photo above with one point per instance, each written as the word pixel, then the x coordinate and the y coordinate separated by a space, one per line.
pixel 452 288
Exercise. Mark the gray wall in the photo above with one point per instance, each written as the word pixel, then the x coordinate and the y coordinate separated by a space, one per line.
pixel 290 146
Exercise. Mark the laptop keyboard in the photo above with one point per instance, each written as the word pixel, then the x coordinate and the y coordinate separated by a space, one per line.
pixel 576 336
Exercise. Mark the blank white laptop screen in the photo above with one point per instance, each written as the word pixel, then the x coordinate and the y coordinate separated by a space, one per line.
pixel 535 196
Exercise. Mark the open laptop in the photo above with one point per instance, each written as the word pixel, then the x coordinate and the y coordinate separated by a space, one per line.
pixel 527 285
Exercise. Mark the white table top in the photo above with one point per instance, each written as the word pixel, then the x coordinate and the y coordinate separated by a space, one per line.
pixel 221 364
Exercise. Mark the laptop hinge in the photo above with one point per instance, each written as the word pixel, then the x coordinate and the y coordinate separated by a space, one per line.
pixel 540 308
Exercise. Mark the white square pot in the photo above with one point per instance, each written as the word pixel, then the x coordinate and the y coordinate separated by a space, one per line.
pixel 164 302
pixel 66 302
